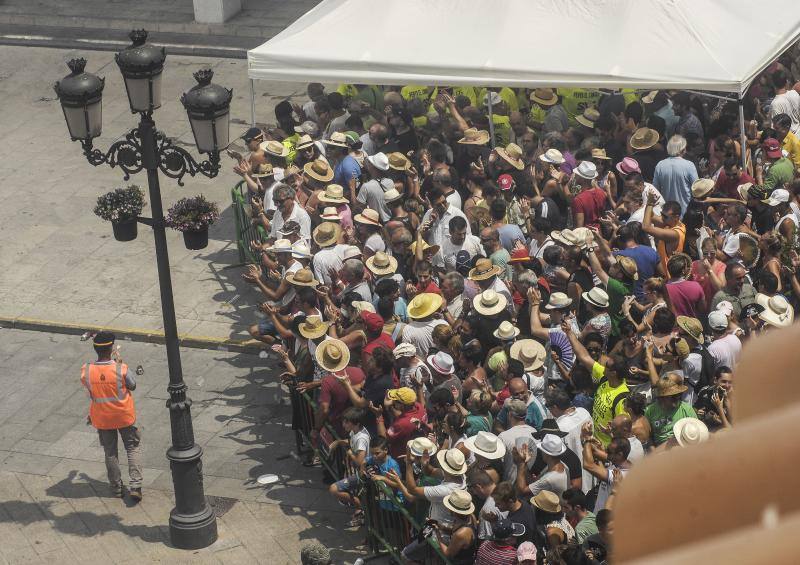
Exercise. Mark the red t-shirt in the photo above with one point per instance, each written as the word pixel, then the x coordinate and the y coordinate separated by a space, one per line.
pixel 383 340
pixel 591 203
pixel 687 298
pixel 432 287
pixel 726 187
pixel 402 430
pixel 333 393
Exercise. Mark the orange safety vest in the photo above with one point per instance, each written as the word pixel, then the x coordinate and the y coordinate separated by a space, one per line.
pixel 112 404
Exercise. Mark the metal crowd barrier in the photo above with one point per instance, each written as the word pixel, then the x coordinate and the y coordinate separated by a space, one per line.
pixel 246 232
pixel 390 523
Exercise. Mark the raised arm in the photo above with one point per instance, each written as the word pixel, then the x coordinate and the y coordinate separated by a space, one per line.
pixel 535 300
pixel 580 351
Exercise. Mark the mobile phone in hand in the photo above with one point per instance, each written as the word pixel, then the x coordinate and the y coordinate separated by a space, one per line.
pixel 235 155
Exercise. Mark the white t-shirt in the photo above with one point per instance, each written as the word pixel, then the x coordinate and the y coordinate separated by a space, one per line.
pixel 359 441
pixel 787 103
pixel 300 216
pixel 436 495
pixel 551 480
pixel 375 243
pixel 454 198
pixel 726 351
pixel 537 251
pixel 420 335
pixel 572 423
pixel 445 258
pixel 605 488
pixel 371 195
pixel 637 449
pixel 287 298
pixel 325 260
pixel 509 439
pixel 440 229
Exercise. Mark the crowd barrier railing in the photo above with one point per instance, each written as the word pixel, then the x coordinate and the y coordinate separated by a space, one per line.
pixel 246 232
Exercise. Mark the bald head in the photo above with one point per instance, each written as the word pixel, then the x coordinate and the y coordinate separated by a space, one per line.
pixel 518 124
pixel 378 133
pixel 392 98
pixel 621 426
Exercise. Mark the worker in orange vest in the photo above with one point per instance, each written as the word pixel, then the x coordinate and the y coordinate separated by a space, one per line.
pixel 112 411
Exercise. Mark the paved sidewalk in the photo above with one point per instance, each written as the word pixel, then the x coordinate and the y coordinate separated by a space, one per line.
pixel 53 492
pixel 59 262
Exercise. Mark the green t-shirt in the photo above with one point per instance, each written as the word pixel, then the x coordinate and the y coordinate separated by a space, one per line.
pixel 781 172
pixel 608 402
pixel 501 258
pixel 477 423
pixel 662 421
pixel 586 527
pixel 617 291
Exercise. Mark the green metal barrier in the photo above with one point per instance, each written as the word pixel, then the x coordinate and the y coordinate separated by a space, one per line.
pixel 246 232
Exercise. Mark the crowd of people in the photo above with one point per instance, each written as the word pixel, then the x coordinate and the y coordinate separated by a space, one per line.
pixel 501 313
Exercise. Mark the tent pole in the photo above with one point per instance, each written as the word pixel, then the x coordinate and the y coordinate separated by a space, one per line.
pixel 252 103
pixel 742 136
pixel 491 119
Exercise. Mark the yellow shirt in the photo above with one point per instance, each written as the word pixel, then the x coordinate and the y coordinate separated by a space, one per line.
pixel 510 98
pixel 576 100
pixel 538 114
pixel 347 90
pixel 469 92
pixel 415 91
pixel 792 146
pixel 502 129
pixel 606 405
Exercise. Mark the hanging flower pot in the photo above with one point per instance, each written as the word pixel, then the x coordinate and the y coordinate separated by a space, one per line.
pixel 192 216
pixel 125 230
pixel 196 239
pixel 121 207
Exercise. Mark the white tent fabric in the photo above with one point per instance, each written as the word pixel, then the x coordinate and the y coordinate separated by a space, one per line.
pixel 718 45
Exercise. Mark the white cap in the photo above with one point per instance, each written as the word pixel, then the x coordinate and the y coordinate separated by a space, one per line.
pixel 778 196
pixel 495 98
pixel 404 350
pixel 718 320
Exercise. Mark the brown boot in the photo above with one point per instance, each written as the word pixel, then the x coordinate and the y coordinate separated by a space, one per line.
pixel 135 494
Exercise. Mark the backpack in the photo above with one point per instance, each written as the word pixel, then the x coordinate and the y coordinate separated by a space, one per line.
pixel 707 369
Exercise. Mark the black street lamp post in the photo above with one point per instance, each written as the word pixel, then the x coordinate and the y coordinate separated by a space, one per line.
pixel 192 522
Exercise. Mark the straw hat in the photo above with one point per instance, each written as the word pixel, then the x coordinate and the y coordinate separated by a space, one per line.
pixel 701 187
pixel 381 264
pixel 529 352
pixel 403 395
pixel 644 138
pixel 442 363
pixel 319 170
pixel 398 161
pixel 333 194
pixel 588 118
pixel 777 310
pixel 489 302
pixel 650 97
pixel 551 445
pixel 330 214
pixel 691 326
pixel 690 431
pixel 629 267
pixel 566 236
pixel 486 444
pixel 423 305
pixel 627 166
pixel 484 269
pixel 362 306
pixel 351 252
pixel 391 195
pixel 452 461
pixel 326 234
pixel 426 248
pixel 302 277
pixel 274 148
pixel 512 153
pixel 668 385
pixel 313 327
pixel 460 502
pixel 304 142
pixel 281 246
pixel 337 139
pixel 420 446
pixel 369 217
pixel 586 170
pixel 547 501
pixel 332 355
pixel 558 300
pixel 598 153
pixel 552 156
pixel 474 136
pixel 506 331
pixel 263 170
pixel 596 296
pixel 300 250
pixel 544 97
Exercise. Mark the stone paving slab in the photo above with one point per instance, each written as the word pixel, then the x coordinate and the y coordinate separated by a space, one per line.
pixel 53 494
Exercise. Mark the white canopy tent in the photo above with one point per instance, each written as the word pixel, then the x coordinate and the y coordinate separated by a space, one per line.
pixel 716 45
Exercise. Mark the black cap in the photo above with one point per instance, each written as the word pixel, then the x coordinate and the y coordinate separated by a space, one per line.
pixel 104 339
pixel 289 227
pixel 549 426
pixel 504 528
pixel 251 134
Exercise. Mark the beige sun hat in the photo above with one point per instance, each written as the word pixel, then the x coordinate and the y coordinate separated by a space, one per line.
pixel 489 302
pixel 337 139
pixel 332 355
pixel 302 277
pixel 486 444
pixel 330 214
pixel 281 246
pixel 368 216
pixel 263 170
pixel 381 264
pixel 701 187
pixel 598 153
pixel 777 310
pixel 427 248
pixel 313 327
pixel 588 118
pixel 460 502
pixel 326 234
pixel 304 142
pixel 629 267
pixel 452 461
pixel 644 138
pixel 565 236
pixel 690 431
pixel 512 154
pixel 596 296
pixel 333 194
pixel 558 300
pixel 420 446
pixel 398 161
pixel 423 305
pixel 391 195
pixel 544 96
pixel 473 136
pixel 506 331
pixel 552 156
pixel 529 352
pixel 483 269
pixel 319 170
pixel 548 501
pixel 274 148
